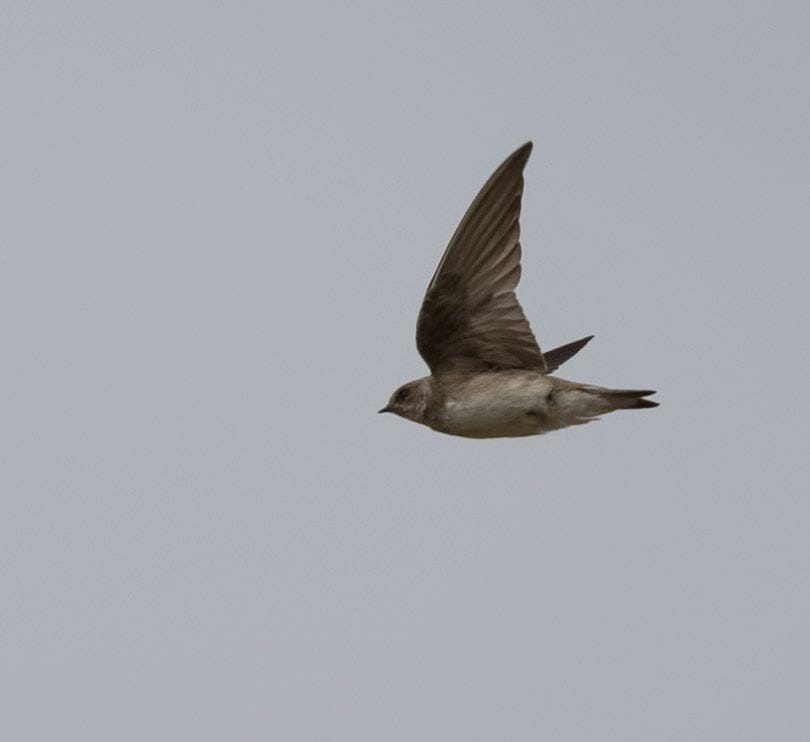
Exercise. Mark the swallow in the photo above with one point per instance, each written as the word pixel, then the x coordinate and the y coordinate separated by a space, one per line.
pixel 488 377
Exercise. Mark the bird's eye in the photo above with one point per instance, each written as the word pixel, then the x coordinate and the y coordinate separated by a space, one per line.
pixel 402 395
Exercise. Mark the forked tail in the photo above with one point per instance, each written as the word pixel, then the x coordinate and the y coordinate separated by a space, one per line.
pixel 628 399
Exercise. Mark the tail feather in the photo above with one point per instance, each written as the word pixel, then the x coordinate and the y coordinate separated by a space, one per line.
pixel 575 404
pixel 628 399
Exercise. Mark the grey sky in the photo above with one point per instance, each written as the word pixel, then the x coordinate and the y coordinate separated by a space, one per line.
pixel 218 224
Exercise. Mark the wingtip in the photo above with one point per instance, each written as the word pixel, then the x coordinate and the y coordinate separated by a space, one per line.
pixel 556 357
pixel 520 155
pixel 524 150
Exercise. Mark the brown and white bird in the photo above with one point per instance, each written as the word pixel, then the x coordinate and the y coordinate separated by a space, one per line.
pixel 488 376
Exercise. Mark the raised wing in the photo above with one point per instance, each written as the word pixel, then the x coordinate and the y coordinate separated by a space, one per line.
pixel 470 317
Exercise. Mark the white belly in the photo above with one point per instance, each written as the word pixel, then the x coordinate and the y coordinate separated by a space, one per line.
pixel 497 405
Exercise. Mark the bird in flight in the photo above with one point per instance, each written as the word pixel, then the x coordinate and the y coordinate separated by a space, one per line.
pixel 488 377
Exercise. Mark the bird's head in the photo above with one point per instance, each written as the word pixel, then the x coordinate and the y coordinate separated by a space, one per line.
pixel 410 400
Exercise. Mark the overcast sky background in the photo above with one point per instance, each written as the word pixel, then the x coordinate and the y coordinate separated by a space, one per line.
pixel 218 224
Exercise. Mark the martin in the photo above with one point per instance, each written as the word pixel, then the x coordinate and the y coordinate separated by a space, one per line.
pixel 488 377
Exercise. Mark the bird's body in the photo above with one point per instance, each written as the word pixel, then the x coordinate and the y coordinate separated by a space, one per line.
pixel 494 404
pixel 489 378
pixel 508 404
